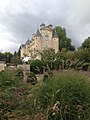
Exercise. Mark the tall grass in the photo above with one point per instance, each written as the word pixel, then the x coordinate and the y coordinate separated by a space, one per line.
pixel 64 97
pixel 72 93
pixel 12 92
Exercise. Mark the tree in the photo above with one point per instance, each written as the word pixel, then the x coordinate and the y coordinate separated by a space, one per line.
pixel 64 41
pixel 16 60
pixel 48 54
pixel 6 56
pixel 83 54
pixel 86 43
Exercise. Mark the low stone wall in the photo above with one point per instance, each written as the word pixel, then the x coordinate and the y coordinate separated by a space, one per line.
pixel 24 67
pixel 2 66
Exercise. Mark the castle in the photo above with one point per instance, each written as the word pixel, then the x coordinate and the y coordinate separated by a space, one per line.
pixel 44 38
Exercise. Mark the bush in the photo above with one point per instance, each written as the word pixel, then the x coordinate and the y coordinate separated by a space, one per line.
pixel 31 78
pixel 19 73
pixel 36 66
pixel 85 66
pixel 47 75
pixel 7 79
pixel 89 68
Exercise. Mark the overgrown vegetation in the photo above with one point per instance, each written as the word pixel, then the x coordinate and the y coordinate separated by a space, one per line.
pixel 12 91
pixel 65 96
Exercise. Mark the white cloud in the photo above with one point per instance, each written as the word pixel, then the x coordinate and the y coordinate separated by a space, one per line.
pixel 19 19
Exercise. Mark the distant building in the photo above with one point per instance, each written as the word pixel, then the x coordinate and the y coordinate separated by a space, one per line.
pixel 44 38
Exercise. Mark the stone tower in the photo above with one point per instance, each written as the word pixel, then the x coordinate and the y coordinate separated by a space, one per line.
pixel 44 38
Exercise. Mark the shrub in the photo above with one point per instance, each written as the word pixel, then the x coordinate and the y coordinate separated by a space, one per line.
pixel 36 66
pixel 31 78
pixel 47 75
pixel 89 68
pixel 85 66
pixel 19 73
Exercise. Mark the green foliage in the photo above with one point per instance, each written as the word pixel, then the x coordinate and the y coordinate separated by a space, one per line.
pixel 83 54
pixel 64 54
pixel 31 78
pixel 64 96
pixel 64 41
pixel 47 75
pixel 6 56
pixel 71 92
pixel 19 73
pixel 89 67
pixel 16 60
pixel 12 92
pixel 36 66
pixel 86 43
pixel 48 54
pixel 7 79
pixel 85 66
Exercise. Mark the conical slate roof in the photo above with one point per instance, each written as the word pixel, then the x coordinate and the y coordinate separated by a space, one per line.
pixel 42 25
pixel 38 34
pixel 50 25
pixel 27 42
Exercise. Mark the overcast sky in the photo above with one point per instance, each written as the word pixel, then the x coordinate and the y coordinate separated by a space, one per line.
pixel 19 19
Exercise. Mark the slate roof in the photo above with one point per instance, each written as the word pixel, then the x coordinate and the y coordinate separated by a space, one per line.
pixel 27 42
pixel 38 34
pixel 42 25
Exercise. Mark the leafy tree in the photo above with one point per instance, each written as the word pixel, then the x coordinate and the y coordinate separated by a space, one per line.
pixel 6 56
pixel 64 41
pixel 48 54
pixel 83 55
pixel 86 43
pixel 16 60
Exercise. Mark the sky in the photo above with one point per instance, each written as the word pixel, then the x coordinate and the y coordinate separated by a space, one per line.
pixel 19 20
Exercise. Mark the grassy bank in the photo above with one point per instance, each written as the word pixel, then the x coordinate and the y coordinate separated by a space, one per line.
pixel 64 97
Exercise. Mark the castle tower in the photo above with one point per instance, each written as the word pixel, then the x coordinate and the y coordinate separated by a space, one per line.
pixel 55 41
pixel 43 39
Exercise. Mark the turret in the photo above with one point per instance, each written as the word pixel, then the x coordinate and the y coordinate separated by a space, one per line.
pixel 42 25
pixel 27 42
pixel 50 26
pixel 38 34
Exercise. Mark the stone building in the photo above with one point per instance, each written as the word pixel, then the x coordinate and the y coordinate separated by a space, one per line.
pixel 45 37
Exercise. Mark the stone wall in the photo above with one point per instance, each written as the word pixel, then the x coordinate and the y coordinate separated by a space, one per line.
pixel 24 67
pixel 2 66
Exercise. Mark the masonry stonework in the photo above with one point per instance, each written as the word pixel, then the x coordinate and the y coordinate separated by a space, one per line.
pixel 45 37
